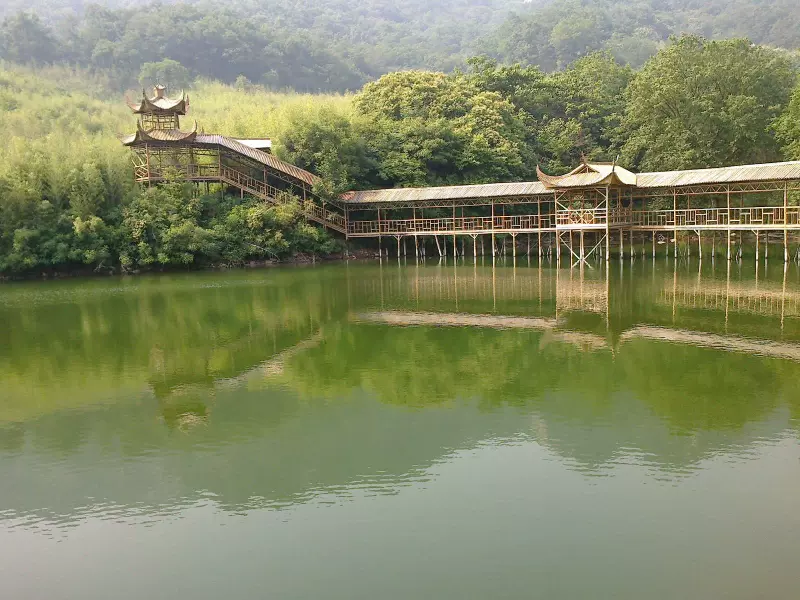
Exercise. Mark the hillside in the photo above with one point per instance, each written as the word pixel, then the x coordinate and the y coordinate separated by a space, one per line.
pixel 326 45
pixel 554 35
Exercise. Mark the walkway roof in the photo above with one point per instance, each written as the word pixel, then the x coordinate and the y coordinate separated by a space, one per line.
pixel 450 192
pixel 782 171
pixel 167 136
pixel 598 174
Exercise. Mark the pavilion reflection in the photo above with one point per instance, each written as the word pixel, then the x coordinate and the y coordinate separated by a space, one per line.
pixel 600 301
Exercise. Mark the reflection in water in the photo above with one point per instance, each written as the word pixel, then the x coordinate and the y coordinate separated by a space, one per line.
pixel 142 401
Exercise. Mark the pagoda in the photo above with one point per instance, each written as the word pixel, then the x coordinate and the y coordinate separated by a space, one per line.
pixel 159 118
pixel 162 151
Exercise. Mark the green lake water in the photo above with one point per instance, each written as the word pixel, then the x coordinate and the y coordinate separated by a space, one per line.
pixel 386 431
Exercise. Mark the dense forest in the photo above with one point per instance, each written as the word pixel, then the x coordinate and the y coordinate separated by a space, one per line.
pixel 326 45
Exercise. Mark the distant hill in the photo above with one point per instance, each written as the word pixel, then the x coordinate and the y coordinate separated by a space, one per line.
pixel 339 44
pixel 555 34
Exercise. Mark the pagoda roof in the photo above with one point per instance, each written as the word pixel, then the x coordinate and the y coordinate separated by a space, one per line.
pixel 589 174
pixel 160 103
pixel 160 135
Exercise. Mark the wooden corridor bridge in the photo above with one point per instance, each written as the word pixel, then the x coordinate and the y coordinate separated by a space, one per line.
pixel 591 211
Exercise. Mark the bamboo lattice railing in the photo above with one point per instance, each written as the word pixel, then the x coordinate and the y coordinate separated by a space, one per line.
pixel 246 183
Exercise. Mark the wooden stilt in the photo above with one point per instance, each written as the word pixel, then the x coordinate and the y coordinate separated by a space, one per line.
pixel 633 248
pixel 493 246
pixel 539 224
pixel 699 246
pixel 558 249
pixel 455 250
pixel 757 244
pixel 675 222
pixel 728 199
pixel 785 223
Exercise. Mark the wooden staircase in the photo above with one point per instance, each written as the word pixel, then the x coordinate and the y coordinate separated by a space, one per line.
pixel 314 212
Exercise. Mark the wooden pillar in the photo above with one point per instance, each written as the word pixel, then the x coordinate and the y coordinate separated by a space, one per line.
pixel 571 247
pixel 621 244
pixel 675 222
pixel 558 248
pixel 654 245
pixel 455 250
pixel 699 246
pixel 380 249
pixel 785 223
pixel 539 222
pixel 608 223
pixel 757 244
pixel 416 246
pixel 728 200
pixel 493 247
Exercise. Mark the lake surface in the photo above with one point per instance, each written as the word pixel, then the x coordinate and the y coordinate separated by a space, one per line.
pixel 399 431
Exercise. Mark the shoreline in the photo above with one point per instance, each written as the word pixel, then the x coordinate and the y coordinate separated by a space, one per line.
pixel 99 272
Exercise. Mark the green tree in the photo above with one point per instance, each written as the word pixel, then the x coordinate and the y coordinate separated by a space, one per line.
pixel 25 39
pixel 169 73
pixel 787 127
pixel 432 128
pixel 701 103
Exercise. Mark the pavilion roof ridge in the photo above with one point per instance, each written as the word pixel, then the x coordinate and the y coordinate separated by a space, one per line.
pixel 589 174
pixel 159 102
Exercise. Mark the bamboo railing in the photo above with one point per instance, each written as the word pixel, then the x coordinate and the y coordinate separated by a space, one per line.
pixel 246 183
pixel 718 218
